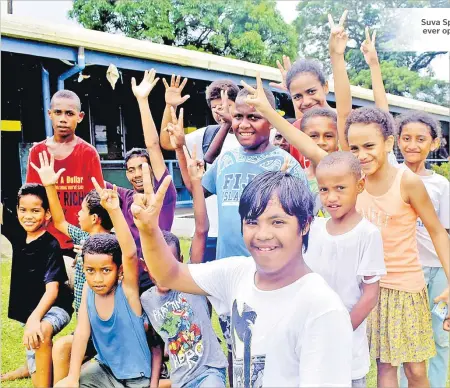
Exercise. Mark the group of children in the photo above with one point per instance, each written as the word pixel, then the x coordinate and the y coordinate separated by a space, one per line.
pixel 314 267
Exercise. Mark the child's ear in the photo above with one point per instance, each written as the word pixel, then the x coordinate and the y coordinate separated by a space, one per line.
pixel 80 117
pixel 307 226
pixel 326 88
pixel 120 271
pixel 361 184
pixel 389 143
pixel 181 258
pixel 95 219
pixel 48 215
pixel 435 144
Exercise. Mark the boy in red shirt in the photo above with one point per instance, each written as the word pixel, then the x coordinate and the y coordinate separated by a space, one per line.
pixel 78 159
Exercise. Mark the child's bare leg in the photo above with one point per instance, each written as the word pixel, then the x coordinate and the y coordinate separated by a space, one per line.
pixel 386 375
pixel 61 357
pixel 416 373
pixel 20 373
pixel 164 383
pixel 43 375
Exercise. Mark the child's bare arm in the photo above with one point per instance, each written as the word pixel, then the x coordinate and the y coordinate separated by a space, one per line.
pixel 163 266
pixel 366 303
pixel 217 143
pixel 49 179
pixel 109 199
pixel 196 171
pixel 370 55
pixel 141 92
pixel 296 138
pixel 79 345
pixel 173 99
pixel 337 44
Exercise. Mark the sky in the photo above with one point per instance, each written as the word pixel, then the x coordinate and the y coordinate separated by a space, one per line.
pixel 56 11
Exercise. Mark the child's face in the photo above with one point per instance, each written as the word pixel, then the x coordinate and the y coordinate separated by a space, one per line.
pixel 415 142
pixel 101 272
pixel 307 92
pixel 280 141
pixel 368 144
pixel 216 105
pixel 134 172
pixel 252 130
pixel 84 218
pixel 324 132
pixel 274 239
pixel 338 189
pixel 32 216
pixel 65 116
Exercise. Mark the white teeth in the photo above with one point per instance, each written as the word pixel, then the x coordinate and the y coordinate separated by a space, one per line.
pixel 266 249
pixel 246 134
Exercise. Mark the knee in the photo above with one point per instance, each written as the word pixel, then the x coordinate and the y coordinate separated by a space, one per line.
pixel 47 332
pixel 62 348
pixel 415 371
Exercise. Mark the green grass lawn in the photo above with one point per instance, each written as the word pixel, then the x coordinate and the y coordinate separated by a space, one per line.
pixel 13 353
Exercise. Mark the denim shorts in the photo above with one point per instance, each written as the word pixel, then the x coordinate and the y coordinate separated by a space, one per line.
pixel 58 318
pixel 212 377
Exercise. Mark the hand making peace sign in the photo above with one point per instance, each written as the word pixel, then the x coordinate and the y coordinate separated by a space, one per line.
pixel 109 199
pixel 338 35
pixel 147 207
pixel 368 48
pixel 283 70
pixel 175 129
pixel 196 168
pixel 257 98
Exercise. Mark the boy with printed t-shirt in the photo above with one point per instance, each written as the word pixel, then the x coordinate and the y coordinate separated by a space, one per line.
pixel 347 250
pixel 280 311
pixel 78 159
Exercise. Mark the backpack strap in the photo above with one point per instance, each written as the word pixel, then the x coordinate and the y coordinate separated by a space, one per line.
pixel 208 137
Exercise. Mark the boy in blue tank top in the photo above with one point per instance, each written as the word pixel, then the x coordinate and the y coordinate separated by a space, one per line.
pixel 110 310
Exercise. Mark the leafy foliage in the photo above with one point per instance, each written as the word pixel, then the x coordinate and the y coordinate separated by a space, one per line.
pixel 251 30
pixel 443 169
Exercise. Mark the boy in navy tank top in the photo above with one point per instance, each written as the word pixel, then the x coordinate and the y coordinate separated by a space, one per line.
pixel 110 310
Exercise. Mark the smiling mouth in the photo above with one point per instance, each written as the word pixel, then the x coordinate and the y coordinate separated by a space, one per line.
pixel 246 134
pixel 334 207
pixel 265 249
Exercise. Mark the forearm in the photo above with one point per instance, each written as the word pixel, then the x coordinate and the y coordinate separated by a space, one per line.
pixel 59 220
pixel 217 143
pixel 148 125
pixel 164 135
pixel 201 223
pixel 363 307
pixel 379 93
pixel 123 234
pixel 44 304
pixel 183 168
pixel 342 94
pixel 156 366
pixel 79 345
pixel 295 137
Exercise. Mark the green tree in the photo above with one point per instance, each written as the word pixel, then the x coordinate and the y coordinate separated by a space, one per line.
pixel 251 30
pixel 312 27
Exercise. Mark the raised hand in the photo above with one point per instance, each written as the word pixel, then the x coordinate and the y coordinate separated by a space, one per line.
pixel 109 199
pixel 47 170
pixel 175 129
pixel 286 164
pixel 147 207
pixel 256 97
pixel 368 48
pixel 283 70
pixel 196 168
pixel 223 111
pixel 338 35
pixel 143 90
pixel 173 92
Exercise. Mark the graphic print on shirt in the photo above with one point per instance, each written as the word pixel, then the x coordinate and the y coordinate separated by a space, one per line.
pixel 249 370
pixel 185 344
pixel 233 186
pixel 377 217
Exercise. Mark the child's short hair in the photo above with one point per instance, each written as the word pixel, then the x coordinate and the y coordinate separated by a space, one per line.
pixel 214 89
pixel 244 93
pixel 342 157
pixel 34 189
pixel 94 207
pixel 68 94
pixel 104 244
pixel 173 240
pixel 321 112
pixel 301 66
pixel 135 153
pixel 295 198
pixel 370 115
pixel 419 117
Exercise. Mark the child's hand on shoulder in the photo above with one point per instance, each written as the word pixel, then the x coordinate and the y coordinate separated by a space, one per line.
pixel 47 170
pixel 109 199
pixel 256 97
pixel 368 48
pixel 147 207
pixel 67 382
pixel 284 68
pixel 223 110
pixel 196 168
pixel 32 336
pixel 173 92
pixel 338 35
pixel 142 91
pixel 175 129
